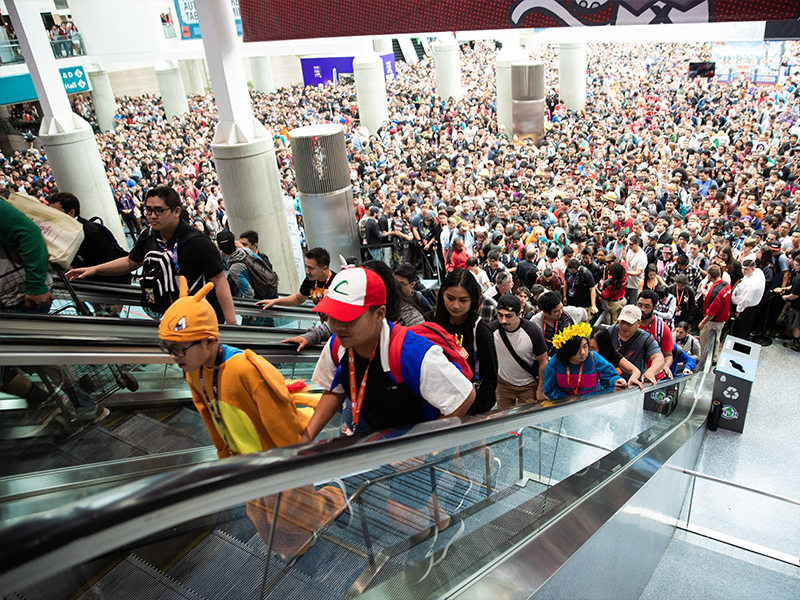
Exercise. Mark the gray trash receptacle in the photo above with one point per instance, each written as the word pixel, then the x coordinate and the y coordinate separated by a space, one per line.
pixel 736 371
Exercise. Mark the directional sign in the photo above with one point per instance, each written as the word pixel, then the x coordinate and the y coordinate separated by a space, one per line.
pixel 75 80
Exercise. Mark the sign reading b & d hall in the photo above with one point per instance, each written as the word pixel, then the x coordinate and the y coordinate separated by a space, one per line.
pixel 75 80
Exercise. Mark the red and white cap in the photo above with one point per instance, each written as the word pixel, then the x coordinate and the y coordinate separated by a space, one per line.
pixel 352 292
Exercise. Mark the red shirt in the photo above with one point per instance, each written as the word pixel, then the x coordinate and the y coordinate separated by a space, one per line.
pixel 661 332
pixel 719 308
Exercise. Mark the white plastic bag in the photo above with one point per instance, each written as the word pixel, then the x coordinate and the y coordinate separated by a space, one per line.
pixel 62 234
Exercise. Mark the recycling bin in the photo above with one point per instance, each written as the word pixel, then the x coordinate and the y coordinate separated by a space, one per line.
pixel 736 371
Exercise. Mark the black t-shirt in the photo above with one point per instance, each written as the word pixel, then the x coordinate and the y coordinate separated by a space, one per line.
pixel 486 371
pixel 373 233
pixel 527 273
pixel 579 287
pixel 314 289
pixel 198 258
pixel 386 403
pixel 796 290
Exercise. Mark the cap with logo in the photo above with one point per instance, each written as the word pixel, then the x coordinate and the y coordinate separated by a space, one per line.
pixel 351 293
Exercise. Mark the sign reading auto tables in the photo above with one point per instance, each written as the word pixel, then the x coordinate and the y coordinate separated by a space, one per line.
pixel 75 80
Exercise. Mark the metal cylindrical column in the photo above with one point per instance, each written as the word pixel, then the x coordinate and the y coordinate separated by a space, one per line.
pixel 170 84
pixel 371 91
pixel 448 68
pixel 105 105
pixel 527 100
pixel 323 183
pixel 503 61
pixel 572 75
pixel 261 70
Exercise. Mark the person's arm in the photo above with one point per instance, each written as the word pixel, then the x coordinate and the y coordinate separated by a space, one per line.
pixel 314 336
pixel 295 299
pixel 119 266
pixel 593 307
pixel 656 366
pixel 463 407
pixel 635 374
pixel 223 291
pixel 540 393
pixel 487 358
pixel 551 389
pixel 329 405
pixel 609 379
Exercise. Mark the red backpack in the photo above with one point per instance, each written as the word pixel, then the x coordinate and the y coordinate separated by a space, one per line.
pixel 434 333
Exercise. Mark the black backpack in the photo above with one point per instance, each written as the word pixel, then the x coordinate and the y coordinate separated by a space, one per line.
pixel 262 278
pixel 118 250
pixel 159 282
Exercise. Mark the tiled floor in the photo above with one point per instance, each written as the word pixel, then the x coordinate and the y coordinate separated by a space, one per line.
pixel 764 457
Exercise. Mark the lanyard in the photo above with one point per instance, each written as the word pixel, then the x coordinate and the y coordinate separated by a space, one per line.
pixel 173 253
pixel 679 297
pixel 580 375
pixel 358 399
pixel 213 406
pixel 555 331
pixel 315 293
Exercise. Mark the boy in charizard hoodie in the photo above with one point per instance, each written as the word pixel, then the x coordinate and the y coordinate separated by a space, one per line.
pixel 247 407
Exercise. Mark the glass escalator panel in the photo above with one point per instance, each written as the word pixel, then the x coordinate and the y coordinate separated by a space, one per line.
pixel 390 514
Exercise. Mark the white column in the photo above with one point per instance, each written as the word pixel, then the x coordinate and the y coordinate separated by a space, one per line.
pixel 572 75
pixel 244 153
pixel 371 90
pixel 194 75
pixel 382 45
pixel 448 68
pixel 68 141
pixel 261 69
pixel 105 105
pixel 170 84
pixel 510 53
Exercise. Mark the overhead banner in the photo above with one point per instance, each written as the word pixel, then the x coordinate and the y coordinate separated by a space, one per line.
pixel 188 23
pixel 269 20
pixel 320 70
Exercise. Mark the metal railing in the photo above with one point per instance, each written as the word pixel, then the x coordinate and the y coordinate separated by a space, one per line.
pixel 66 47
pixel 11 53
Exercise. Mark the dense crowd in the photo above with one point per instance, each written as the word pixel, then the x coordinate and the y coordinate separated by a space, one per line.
pixel 669 202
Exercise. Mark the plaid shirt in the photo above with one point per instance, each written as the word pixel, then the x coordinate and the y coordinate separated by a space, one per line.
pixel 692 272
pixel 488 312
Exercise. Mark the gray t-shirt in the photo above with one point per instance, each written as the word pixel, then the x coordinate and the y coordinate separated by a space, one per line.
pixel 528 342
pixel 638 350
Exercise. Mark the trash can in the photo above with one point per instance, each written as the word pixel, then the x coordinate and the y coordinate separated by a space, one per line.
pixel 736 371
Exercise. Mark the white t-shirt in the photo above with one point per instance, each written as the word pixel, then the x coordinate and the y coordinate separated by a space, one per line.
pixel 636 262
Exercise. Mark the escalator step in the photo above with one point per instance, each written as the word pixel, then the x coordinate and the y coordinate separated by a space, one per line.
pixel 29 456
pixel 189 421
pixel 134 578
pixel 155 436
pixel 98 444
pixel 223 567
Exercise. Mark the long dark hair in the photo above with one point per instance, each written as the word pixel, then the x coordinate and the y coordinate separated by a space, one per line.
pixel 617 273
pixel 458 278
pixel 570 348
pixel 605 347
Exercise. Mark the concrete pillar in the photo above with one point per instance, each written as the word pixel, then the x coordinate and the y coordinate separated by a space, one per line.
pixel 382 45
pixel 323 182
pixel 261 69
pixel 103 100
pixel 4 112
pixel 371 90
pixel 193 73
pixel 527 100
pixel 244 152
pixel 448 68
pixel 509 54
pixel 572 75
pixel 170 84
pixel 67 140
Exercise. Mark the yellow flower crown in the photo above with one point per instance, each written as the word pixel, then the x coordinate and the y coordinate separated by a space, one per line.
pixel 578 329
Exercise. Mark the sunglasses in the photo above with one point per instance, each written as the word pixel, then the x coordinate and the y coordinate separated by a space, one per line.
pixel 176 352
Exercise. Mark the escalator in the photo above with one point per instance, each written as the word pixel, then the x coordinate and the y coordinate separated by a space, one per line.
pixel 580 494
pixel 150 430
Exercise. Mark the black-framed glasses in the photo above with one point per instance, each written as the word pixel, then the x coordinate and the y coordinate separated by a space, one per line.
pixel 176 352
pixel 155 211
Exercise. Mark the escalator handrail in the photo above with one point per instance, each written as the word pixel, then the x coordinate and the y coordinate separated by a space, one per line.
pixel 55 541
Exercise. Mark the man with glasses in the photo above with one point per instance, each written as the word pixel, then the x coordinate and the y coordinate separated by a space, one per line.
pixel 194 256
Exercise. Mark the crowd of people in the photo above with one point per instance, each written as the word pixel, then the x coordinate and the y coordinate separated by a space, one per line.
pixel 667 208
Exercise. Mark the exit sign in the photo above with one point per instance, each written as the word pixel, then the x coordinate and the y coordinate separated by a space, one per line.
pixel 75 80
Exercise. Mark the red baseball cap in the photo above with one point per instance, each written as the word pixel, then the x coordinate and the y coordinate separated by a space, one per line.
pixel 352 292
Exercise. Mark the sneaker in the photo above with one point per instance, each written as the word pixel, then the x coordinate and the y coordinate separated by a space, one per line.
pixel 793 345
pixel 38 418
pixel 91 414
